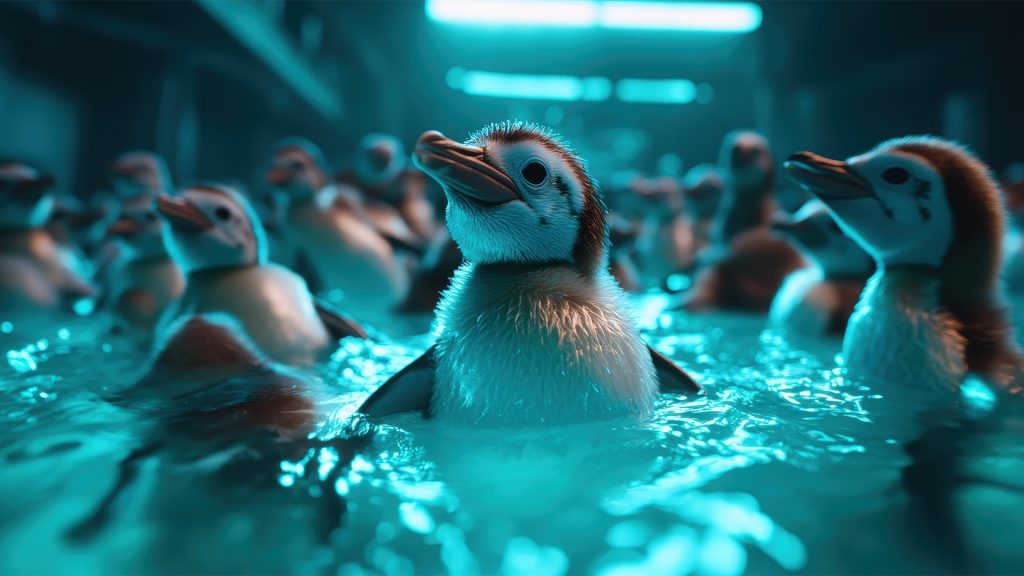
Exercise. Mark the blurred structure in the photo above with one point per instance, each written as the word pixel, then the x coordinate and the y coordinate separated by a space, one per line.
pixel 211 85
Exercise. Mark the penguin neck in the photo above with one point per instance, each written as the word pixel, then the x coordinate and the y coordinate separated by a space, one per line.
pixel 911 285
pixel 744 208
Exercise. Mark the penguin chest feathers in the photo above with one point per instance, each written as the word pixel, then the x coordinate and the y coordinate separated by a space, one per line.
pixel 900 333
pixel 540 345
pixel 272 305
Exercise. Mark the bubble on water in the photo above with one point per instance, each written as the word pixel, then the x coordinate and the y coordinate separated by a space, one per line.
pixel 978 396
pixel 286 480
pixel 6 327
pixel 84 306
pixel 341 487
pixel 455 554
pixel 416 518
pixel 22 361
pixel 523 556
pixel 628 534
pixel 720 555
pixel 64 334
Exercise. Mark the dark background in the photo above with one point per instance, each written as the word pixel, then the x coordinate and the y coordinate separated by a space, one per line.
pixel 81 82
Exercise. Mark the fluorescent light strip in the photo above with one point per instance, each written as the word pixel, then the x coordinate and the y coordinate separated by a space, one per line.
pixel 570 88
pixel 529 86
pixel 734 17
pixel 656 91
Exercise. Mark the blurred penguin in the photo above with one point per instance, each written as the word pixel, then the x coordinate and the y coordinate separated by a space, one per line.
pixel 703 188
pixel 664 245
pixel 747 263
pixel 818 300
pixel 32 268
pixel 145 280
pixel 338 245
pixel 391 189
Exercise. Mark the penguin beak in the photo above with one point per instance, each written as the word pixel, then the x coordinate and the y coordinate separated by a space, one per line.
pixel 826 178
pixel 182 214
pixel 279 176
pixel 124 227
pixel 463 170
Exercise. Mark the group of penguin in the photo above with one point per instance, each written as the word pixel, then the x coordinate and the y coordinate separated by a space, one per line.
pixel 901 251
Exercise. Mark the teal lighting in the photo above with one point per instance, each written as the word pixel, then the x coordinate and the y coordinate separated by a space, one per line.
pixel 656 91
pixel 529 86
pixel 729 17
pixel 267 41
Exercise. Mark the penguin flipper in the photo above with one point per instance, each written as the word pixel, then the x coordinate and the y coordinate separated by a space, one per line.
pixel 409 390
pixel 672 378
pixel 338 325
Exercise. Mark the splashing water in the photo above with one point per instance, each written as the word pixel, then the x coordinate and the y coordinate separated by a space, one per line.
pixel 787 466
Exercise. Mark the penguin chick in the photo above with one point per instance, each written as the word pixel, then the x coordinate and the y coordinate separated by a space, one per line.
pixel 534 329
pixel 389 188
pixel 747 263
pixel 819 299
pixel 140 173
pixel 703 187
pixel 930 215
pixel 215 237
pixel 145 280
pixel 665 243
pixel 749 200
pixel 34 269
pixel 338 242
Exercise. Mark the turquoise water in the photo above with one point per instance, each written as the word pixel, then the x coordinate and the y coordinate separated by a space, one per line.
pixel 786 466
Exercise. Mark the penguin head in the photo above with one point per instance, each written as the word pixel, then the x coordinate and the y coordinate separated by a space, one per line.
pixel 747 158
pixel 916 200
pixel 814 232
pixel 139 229
pixel 140 173
pixel 25 195
pixel 517 194
pixel 703 187
pixel 212 226
pixel 379 159
pixel 298 170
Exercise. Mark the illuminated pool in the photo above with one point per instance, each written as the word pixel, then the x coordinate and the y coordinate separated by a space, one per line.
pixel 786 466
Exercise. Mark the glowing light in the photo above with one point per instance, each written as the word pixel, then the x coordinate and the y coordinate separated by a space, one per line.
pixel 6 327
pixel 529 86
pixel 571 14
pixel 726 17
pixel 656 91
pixel 559 87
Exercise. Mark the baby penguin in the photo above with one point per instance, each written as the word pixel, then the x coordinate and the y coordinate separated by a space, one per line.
pixel 703 187
pixel 746 264
pixel 930 215
pixel 533 329
pixel 338 243
pixel 145 280
pixel 215 237
pixel 819 299
pixel 32 267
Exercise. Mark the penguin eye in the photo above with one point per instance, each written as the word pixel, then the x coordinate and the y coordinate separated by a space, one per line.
pixel 535 173
pixel 222 213
pixel 896 175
